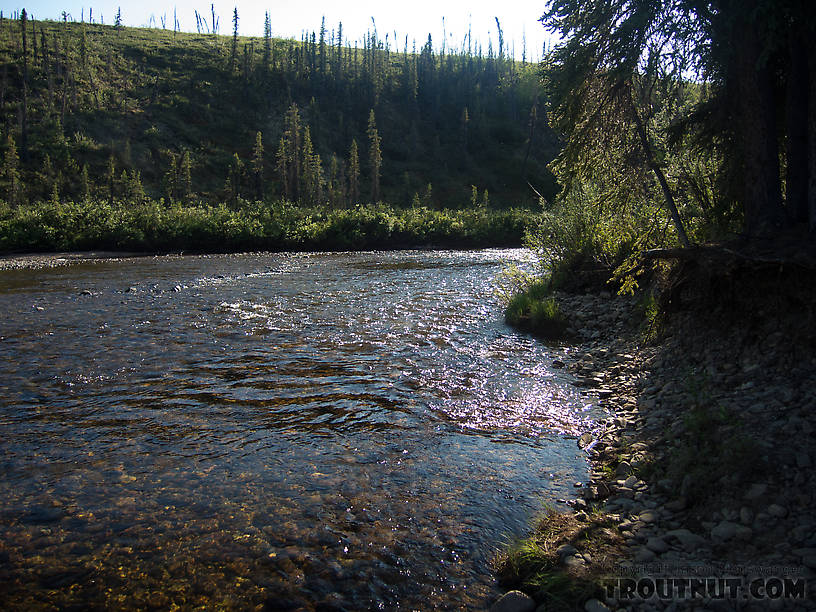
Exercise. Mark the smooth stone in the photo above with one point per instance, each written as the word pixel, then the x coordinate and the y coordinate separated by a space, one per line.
pixel 648 516
pixel 644 555
pixel 565 550
pixel 746 516
pixel 724 531
pixel 688 540
pixel 657 545
pixel 593 605
pixel 514 601
pixel 777 511
pixel 755 491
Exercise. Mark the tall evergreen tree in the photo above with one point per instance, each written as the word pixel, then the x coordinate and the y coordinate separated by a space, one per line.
pixel 170 180
pixel 11 173
pixel 110 178
pixel 234 47
pixel 312 178
pixel 374 156
pixel 289 154
pixel 185 179
pixel 234 180
pixel 354 173
pixel 267 49
pixel 257 167
pixel 24 109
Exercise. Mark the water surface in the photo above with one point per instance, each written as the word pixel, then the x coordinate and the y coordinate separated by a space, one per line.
pixel 353 429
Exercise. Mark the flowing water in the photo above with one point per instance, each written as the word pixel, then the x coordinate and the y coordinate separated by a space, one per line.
pixel 357 430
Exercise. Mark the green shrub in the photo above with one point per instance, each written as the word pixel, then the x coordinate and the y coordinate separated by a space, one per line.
pixel 155 226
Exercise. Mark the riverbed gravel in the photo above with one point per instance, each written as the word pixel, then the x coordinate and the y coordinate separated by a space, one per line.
pixel 745 510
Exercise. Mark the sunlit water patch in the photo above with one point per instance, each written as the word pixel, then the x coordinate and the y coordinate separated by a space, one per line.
pixel 353 429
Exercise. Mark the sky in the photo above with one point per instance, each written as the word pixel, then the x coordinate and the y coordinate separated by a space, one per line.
pixel 414 18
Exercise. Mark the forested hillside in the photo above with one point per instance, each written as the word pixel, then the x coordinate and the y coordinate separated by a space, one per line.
pixel 114 113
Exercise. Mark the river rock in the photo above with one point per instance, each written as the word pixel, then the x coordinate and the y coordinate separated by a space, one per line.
pixel 746 515
pixel 657 545
pixel 565 550
pixel 593 605
pixel 514 601
pixel 756 491
pixel 648 516
pixel 726 530
pixel 688 540
pixel 624 469
pixel 777 511
pixel 644 555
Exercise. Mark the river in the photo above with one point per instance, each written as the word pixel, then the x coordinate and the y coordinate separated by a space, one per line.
pixel 346 430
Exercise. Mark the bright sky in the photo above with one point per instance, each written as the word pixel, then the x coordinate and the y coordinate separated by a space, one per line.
pixel 415 18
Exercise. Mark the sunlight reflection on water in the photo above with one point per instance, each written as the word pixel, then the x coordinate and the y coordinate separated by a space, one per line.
pixel 359 429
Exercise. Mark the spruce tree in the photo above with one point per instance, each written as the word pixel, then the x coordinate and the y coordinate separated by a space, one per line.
pixel 185 180
pixel 257 166
pixel 234 51
pixel 374 156
pixel 170 180
pixel 24 109
pixel 354 173
pixel 289 155
pixel 110 178
pixel 11 173
pixel 267 52
pixel 312 179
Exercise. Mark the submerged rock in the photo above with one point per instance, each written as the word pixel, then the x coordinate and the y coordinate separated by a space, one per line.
pixel 514 601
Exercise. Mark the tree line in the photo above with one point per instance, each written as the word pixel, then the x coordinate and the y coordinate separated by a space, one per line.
pixel 126 113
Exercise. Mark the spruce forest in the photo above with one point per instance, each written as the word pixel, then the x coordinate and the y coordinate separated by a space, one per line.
pixel 285 141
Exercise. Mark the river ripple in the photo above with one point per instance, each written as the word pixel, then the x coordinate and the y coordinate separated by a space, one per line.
pixel 354 429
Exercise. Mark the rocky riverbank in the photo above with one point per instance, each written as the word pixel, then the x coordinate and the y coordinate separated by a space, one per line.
pixel 55 260
pixel 704 468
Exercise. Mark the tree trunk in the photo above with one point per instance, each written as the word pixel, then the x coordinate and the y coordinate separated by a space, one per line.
pixel 671 206
pixel 796 118
pixel 756 127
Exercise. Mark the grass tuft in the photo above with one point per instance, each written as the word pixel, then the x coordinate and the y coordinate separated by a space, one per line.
pixel 534 310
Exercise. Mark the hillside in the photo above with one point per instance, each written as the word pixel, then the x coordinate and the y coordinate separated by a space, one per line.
pixel 168 112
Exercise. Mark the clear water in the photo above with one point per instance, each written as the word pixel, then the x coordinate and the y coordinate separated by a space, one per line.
pixel 357 430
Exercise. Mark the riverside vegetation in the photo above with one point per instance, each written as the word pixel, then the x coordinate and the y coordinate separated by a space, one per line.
pixel 678 263
pixel 114 123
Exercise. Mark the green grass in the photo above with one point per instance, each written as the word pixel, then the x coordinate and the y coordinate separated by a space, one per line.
pixel 534 310
pixel 533 565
